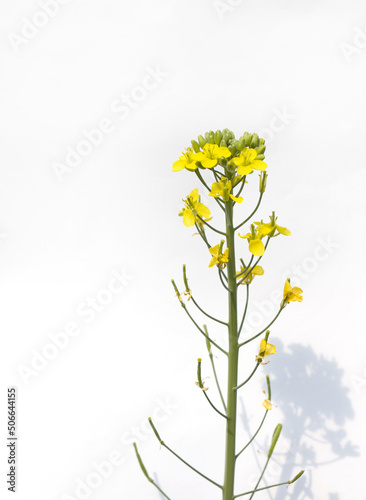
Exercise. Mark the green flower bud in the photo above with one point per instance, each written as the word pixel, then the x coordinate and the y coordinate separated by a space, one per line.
pixel 218 137
pixel 260 149
pixel 255 141
pixel 201 141
pixel 261 142
pixel 260 157
pixel 231 135
pixel 247 139
pixel 223 144
pixel 195 146
pixel 276 435
pixel 226 137
pixel 241 144
pixel 223 161
pixel 232 149
pixel 207 137
pixel 211 137
pixel 231 167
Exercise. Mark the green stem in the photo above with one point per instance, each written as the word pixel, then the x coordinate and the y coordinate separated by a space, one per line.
pixel 215 374
pixel 209 225
pixel 250 376
pixel 251 215
pixel 245 312
pixel 180 458
pixel 254 435
pixel 261 489
pixel 146 473
pixel 264 329
pixel 229 476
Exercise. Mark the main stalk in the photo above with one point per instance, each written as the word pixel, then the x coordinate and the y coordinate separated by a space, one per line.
pixel 228 490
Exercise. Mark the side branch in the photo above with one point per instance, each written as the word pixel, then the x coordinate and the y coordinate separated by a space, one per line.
pixel 214 371
pixel 180 458
pixel 251 215
pixel 264 329
pixel 146 473
pixel 247 380
pixel 190 296
pixel 211 227
pixel 204 389
pixel 193 321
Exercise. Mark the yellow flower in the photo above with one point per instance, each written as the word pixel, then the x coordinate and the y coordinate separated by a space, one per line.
pixel 254 271
pixel 193 209
pixel 247 161
pixel 267 404
pixel 223 188
pixel 211 155
pixel 218 257
pixel 291 294
pixel 265 349
pixel 254 238
pixel 271 227
pixel 187 160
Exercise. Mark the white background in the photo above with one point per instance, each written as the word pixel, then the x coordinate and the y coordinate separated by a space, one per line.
pixel 294 71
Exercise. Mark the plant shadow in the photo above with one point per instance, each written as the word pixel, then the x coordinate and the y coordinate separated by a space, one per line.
pixel 308 389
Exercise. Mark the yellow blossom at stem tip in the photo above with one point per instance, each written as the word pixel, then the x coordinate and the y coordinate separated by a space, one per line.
pixel 193 210
pixel 291 294
pixel 219 258
pixel 246 162
pixel 211 155
pixel 265 349
pixel 251 273
pixel 254 238
pixel 272 227
pixel 223 188
pixel 186 160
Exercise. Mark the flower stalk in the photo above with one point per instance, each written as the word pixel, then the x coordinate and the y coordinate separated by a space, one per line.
pixel 231 163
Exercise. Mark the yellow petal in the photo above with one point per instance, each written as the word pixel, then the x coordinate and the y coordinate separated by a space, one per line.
pixel 242 170
pixel 238 200
pixel 287 289
pixel 270 349
pixel 202 210
pixel 213 262
pixel 194 195
pixel 259 165
pixel 258 270
pixel 222 151
pixel 267 404
pixel 179 165
pixel 188 218
pixel 214 250
pixel 256 247
pixel 208 163
pixel 283 230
